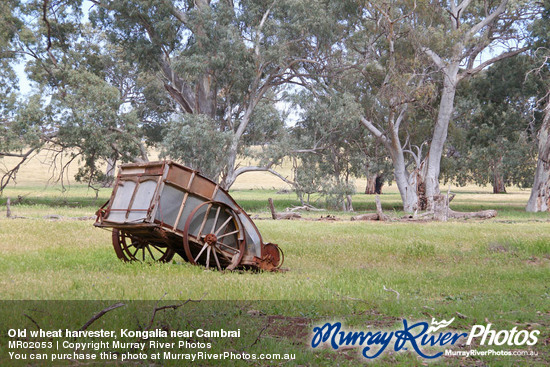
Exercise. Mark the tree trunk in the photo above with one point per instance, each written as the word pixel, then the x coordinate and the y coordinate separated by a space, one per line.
pixel 407 188
pixel 110 173
pixel 371 185
pixel 498 183
pixel 378 185
pixel 374 185
pixel 441 208
pixel 539 201
pixel 439 137
pixel 8 208
pixel 349 203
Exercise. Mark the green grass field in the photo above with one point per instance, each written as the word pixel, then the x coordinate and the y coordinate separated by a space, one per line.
pixel 494 271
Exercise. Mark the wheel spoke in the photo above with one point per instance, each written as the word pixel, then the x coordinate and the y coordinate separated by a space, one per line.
pixel 228 247
pixel 228 234
pixel 128 246
pixel 216 219
pixel 223 225
pixel 158 249
pixel 204 220
pixel 216 258
pixel 224 255
pixel 148 249
pixel 200 253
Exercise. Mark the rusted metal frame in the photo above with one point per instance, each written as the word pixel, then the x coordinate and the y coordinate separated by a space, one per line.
pixel 100 213
pixel 138 175
pixel 133 210
pixel 233 209
pixel 145 165
pixel 215 191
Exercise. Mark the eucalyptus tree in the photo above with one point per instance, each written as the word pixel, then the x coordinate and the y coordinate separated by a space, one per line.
pixel 457 37
pixel 394 86
pixel 219 61
pixel 492 139
pixel 540 193
pixel 15 141
pixel 86 102
pixel 330 147
pixel 419 52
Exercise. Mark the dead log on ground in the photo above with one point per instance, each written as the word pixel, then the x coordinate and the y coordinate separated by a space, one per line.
pixel 483 214
pixel 305 207
pixel 368 216
pixel 276 215
pixel 379 215
pixel 442 212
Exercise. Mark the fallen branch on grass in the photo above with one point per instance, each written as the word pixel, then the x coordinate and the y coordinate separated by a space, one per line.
pixel 368 216
pixel 391 290
pixel 276 216
pixel 100 314
pixel 59 217
pixel 306 207
pixel 32 320
pixel 379 215
pixel 173 307
pixel 483 214
pixel 260 334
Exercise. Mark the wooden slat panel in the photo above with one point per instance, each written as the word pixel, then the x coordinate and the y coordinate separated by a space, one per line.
pixel 202 187
pixel 178 176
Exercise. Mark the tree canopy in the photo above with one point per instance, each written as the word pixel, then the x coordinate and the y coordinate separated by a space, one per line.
pixel 378 87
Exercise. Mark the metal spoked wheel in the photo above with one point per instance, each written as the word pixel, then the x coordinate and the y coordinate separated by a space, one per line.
pixel 213 236
pixel 131 248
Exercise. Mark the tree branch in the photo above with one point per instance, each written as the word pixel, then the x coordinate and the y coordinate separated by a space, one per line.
pixel 373 129
pixel 10 174
pixel 268 168
pixel 489 19
pixel 435 57
pixel 473 71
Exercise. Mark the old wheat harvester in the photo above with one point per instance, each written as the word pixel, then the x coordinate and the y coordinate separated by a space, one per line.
pixel 159 209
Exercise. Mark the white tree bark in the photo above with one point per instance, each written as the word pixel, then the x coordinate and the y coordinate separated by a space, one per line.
pixel 406 182
pixel 540 193
pixel 450 67
pixel 446 106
